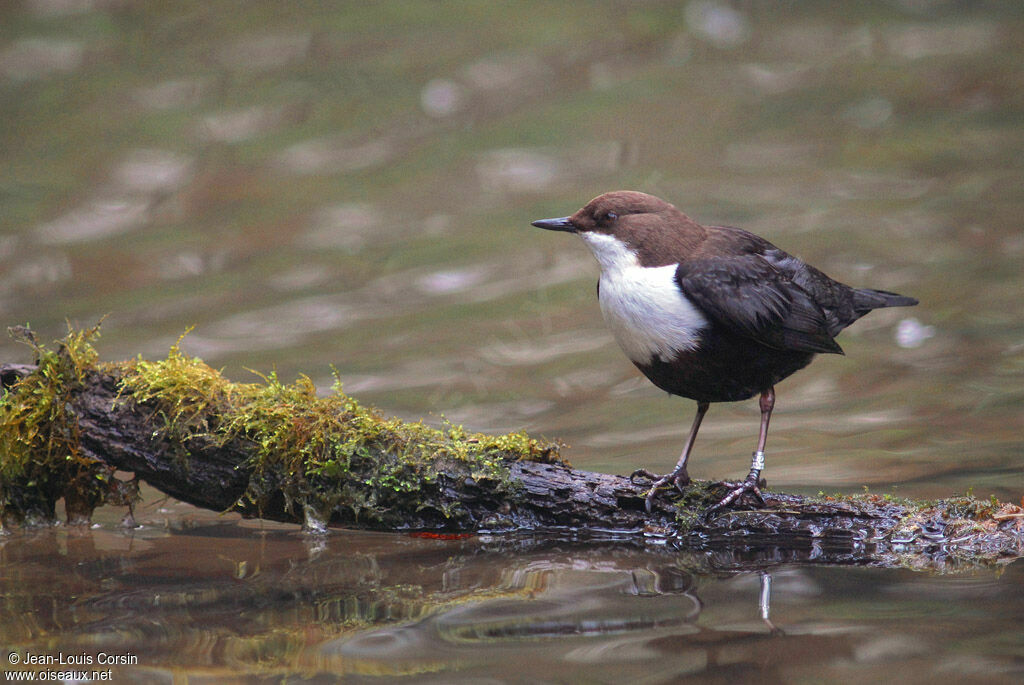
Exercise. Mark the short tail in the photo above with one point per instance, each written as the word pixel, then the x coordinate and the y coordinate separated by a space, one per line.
pixel 866 299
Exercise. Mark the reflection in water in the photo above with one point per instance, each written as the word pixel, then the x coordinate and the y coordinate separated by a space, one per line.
pixel 220 597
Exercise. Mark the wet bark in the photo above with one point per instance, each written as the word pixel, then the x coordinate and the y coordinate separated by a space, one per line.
pixel 555 497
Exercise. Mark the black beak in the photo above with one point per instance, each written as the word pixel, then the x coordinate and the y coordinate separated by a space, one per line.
pixel 560 224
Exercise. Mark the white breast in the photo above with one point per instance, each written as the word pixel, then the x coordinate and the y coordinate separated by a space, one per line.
pixel 644 308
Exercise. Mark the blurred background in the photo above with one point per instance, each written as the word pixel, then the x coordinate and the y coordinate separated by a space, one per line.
pixel 312 184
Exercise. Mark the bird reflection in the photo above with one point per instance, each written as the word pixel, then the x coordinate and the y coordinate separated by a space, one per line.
pixel 373 602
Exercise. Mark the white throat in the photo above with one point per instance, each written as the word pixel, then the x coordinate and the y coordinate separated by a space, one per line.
pixel 644 308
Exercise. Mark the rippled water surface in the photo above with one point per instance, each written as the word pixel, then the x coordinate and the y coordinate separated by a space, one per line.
pixel 312 185
pixel 194 598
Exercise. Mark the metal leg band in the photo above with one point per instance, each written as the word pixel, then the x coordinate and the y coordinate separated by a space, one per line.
pixel 757 463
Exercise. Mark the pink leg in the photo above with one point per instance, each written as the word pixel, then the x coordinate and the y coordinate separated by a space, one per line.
pixel 751 484
pixel 678 476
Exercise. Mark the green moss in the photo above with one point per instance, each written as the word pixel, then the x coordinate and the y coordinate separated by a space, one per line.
pixel 321 454
pixel 41 460
pixel 695 499
pixel 971 508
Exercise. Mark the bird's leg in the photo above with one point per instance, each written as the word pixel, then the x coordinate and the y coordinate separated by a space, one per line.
pixel 751 483
pixel 678 477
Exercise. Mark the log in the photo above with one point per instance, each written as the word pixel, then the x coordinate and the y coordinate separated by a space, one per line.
pixel 280 452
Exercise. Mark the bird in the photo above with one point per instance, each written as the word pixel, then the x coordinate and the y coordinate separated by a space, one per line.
pixel 710 313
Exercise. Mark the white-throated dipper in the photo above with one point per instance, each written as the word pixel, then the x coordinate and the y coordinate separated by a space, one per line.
pixel 712 313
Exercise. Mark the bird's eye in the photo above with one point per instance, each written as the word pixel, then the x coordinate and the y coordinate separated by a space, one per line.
pixel 611 216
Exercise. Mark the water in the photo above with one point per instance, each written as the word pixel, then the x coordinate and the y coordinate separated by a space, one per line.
pixel 214 599
pixel 353 185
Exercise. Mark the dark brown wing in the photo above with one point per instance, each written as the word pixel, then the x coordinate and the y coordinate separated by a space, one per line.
pixel 750 297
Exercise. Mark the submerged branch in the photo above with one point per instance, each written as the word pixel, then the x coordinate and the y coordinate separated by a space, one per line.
pixel 280 452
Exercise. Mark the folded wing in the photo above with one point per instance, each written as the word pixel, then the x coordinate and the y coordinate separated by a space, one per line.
pixel 751 298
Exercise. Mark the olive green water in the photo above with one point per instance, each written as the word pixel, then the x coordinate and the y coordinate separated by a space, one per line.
pixel 353 185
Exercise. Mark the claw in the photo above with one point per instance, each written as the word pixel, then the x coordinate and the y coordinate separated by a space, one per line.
pixel 678 478
pixel 654 491
pixel 750 485
pixel 642 473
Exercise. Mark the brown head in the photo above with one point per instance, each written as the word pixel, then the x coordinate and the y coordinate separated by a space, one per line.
pixel 654 230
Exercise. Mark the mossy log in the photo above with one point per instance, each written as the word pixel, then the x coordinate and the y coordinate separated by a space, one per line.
pixel 281 452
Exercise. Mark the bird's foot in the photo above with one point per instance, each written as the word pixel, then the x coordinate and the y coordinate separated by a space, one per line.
pixel 751 486
pixel 677 478
pixel 643 473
